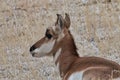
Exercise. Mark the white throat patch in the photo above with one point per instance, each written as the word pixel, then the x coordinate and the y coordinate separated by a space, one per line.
pixel 57 54
pixel 44 49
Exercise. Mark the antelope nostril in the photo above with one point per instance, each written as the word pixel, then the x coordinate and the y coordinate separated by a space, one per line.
pixel 32 48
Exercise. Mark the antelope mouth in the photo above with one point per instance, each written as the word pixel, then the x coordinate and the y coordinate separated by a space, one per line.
pixel 36 54
pixel 33 54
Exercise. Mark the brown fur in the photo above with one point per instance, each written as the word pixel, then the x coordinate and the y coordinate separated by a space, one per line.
pixel 69 61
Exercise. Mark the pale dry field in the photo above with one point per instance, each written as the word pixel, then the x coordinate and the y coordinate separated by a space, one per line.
pixel 95 26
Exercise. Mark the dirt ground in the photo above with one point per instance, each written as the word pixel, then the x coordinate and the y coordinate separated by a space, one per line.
pixel 95 25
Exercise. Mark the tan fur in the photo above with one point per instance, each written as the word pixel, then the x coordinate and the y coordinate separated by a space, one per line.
pixel 93 68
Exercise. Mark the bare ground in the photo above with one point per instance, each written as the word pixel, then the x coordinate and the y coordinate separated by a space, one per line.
pixel 95 26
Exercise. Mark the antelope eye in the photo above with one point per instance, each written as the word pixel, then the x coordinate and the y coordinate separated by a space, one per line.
pixel 47 34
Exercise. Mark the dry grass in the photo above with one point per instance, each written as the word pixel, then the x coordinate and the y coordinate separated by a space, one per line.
pixel 95 26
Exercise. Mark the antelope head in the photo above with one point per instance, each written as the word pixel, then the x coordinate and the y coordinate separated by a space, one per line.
pixel 53 35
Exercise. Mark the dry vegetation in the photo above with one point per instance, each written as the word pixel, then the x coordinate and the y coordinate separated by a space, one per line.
pixel 95 26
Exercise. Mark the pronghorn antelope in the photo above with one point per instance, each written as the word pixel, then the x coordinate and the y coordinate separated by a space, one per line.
pixel 59 42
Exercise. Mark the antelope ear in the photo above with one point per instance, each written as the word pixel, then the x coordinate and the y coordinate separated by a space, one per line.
pixel 67 20
pixel 59 23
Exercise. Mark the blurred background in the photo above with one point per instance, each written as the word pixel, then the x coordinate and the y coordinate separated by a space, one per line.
pixel 95 25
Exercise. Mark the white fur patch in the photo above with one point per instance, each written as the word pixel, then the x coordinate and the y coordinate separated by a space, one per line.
pixel 58 68
pixel 76 76
pixel 56 57
pixel 58 65
pixel 57 54
pixel 44 49
pixel 54 29
pixel 116 79
pixel 60 36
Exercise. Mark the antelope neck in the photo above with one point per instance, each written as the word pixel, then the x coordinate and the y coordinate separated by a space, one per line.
pixel 67 51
